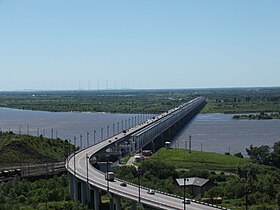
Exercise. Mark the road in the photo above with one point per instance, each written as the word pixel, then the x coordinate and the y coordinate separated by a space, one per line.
pixel 77 165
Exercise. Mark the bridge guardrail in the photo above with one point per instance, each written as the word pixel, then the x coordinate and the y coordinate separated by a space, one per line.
pixel 172 195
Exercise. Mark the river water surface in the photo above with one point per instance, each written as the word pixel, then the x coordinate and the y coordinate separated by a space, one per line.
pixel 210 132
pixel 220 133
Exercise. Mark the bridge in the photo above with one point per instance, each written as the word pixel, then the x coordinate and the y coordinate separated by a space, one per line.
pixel 86 181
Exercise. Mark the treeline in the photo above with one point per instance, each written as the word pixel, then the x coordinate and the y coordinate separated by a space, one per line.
pixel 155 101
pixel 265 155
pixel 222 100
pixel 52 194
pixel 261 116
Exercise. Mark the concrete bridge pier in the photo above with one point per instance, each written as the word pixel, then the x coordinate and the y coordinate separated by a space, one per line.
pixel 96 199
pixel 133 205
pixel 85 191
pixel 75 188
pixel 117 201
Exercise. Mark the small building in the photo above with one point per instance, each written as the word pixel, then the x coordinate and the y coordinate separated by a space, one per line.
pixel 197 186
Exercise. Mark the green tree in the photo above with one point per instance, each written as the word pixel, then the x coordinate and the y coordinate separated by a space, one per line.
pixel 260 154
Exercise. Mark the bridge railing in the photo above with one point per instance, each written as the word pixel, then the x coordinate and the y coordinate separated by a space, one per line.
pixel 175 196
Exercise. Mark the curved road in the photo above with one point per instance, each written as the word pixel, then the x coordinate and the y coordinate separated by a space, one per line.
pixel 77 165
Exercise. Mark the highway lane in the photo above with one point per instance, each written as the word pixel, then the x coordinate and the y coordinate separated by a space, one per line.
pixel 97 178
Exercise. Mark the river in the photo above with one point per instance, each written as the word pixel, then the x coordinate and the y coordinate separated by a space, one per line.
pixel 210 132
pixel 220 133
pixel 66 125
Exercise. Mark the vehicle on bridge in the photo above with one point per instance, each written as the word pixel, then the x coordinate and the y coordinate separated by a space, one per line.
pixel 110 176
pixel 186 201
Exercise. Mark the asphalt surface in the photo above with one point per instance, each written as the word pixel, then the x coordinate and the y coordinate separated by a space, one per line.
pixel 77 165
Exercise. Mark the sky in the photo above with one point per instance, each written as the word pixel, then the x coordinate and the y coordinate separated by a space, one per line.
pixel 144 44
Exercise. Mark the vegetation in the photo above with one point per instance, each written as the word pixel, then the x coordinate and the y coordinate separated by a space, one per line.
pixel 181 158
pixel 95 101
pixel 24 148
pixel 227 100
pixel 49 194
pixel 263 154
pixel 259 182
pixel 261 116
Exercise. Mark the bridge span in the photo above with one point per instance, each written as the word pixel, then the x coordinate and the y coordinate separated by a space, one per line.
pixel 86 181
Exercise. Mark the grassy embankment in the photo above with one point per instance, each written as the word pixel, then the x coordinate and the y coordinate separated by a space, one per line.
pixel 29 149
pixel 181 158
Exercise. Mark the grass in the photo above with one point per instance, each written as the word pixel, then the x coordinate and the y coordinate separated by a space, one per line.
pixel 181 158
pixel 24 148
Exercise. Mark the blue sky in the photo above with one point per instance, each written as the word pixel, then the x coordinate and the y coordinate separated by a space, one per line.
pixel 139 44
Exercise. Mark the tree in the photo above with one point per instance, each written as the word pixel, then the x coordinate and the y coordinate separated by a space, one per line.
pixel 260 154
pixel 275 155
pixel 278 200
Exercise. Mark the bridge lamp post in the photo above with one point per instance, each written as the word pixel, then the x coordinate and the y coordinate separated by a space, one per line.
pixel 87 139
pixel 87 159
pixel 108 131
pixel 113 128
pixel 185 193
pixel 75 155
pixel 81 141
pixel 118 127
pixel 140 171
pixel 94 136
pixel 101 136
pixel 107 173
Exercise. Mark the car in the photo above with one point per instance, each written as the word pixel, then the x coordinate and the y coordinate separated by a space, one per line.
pixel 186 201
pixel 123 184
pixel 151 192
pixel 110 141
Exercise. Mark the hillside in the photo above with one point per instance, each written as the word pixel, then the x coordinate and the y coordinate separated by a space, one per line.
pixel 29 149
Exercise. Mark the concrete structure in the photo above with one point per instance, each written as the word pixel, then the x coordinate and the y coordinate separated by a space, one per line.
pixel 87 181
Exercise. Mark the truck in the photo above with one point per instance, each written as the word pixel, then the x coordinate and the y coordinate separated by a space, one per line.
pixel 110 176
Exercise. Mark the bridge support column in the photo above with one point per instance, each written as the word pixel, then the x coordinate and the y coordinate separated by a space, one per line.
pixel 96 198
pixel 85 193
pixel 133 205
pixel 74 188
pixel 117 201
pixel 112 204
